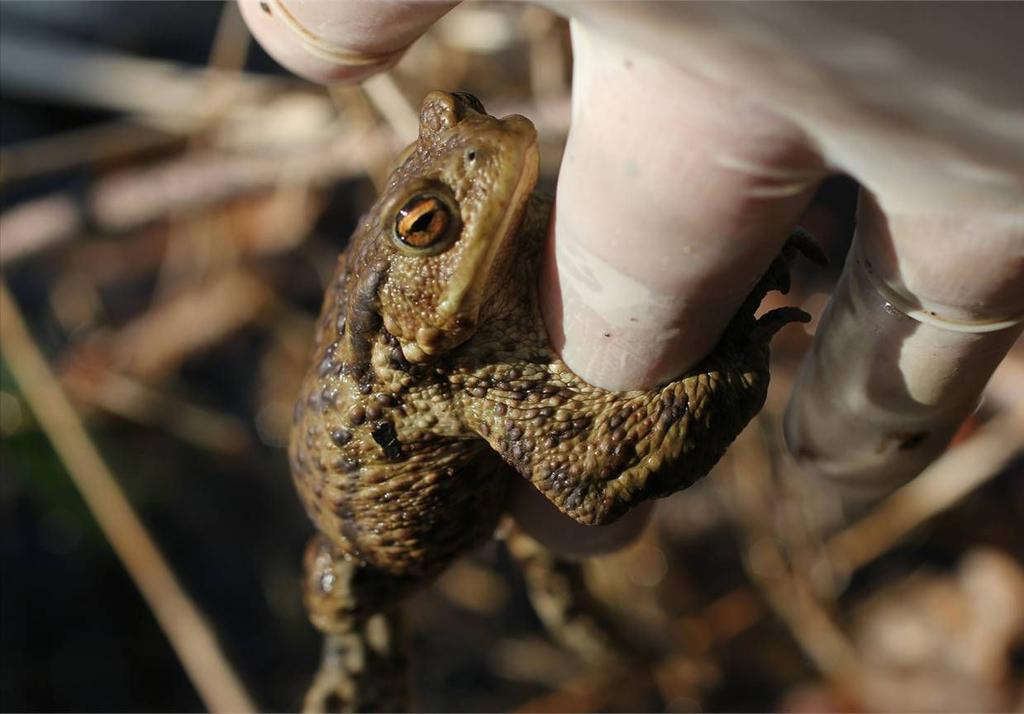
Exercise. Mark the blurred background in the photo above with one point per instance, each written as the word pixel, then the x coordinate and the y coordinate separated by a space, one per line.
pixel 171 206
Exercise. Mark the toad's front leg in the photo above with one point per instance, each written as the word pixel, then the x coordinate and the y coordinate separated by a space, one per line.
pixel 594 453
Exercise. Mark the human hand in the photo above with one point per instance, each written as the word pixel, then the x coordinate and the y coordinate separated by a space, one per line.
pixel 700 133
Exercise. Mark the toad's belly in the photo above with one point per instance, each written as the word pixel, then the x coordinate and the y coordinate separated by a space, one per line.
pixel 409 516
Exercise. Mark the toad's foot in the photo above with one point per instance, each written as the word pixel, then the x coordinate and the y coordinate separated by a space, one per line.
pixel 361 671
pixel 363 666
pixel 570 613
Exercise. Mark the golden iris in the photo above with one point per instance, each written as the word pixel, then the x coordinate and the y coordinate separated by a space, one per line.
pixel 422 221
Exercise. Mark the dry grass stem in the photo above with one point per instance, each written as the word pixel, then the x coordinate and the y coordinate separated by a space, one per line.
pixel 185 627
pixel 167 94
pixel 387 98
pixel 133 400
pixel 771 541
pixel 130 199
pixel 100 143
pixel 959 471
pixel 160 340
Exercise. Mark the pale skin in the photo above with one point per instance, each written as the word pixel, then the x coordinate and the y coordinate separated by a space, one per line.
pixel 701 131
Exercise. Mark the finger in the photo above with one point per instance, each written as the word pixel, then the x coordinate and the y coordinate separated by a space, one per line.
pixel 927 307
pixel 673 197
pixel 332 41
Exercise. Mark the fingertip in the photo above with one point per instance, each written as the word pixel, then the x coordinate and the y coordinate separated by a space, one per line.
pixel 551 301
pixel 913 331
pixel 331 42
pixel 674 196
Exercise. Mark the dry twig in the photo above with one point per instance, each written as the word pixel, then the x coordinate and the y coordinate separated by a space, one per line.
pixel 185 627
pixel 956 473
pixel 167 94
pixel 109 141
pixel 134 400
pixel 785 587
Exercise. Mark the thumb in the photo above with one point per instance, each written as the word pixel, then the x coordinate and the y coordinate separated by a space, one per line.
pixel 673 197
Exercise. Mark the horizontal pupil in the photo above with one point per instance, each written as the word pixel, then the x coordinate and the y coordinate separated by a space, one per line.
pixel 421 221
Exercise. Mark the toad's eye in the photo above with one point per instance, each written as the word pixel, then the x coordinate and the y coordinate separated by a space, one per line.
pixel 423 222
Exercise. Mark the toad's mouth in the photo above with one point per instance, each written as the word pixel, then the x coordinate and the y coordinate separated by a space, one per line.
pixel 459 306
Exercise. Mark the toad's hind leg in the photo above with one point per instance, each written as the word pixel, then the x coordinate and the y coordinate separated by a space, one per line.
pixel 569 612
pixel 361 671
pixel 363 668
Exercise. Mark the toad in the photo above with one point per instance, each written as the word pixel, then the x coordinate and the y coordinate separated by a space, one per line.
pixel 433 384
